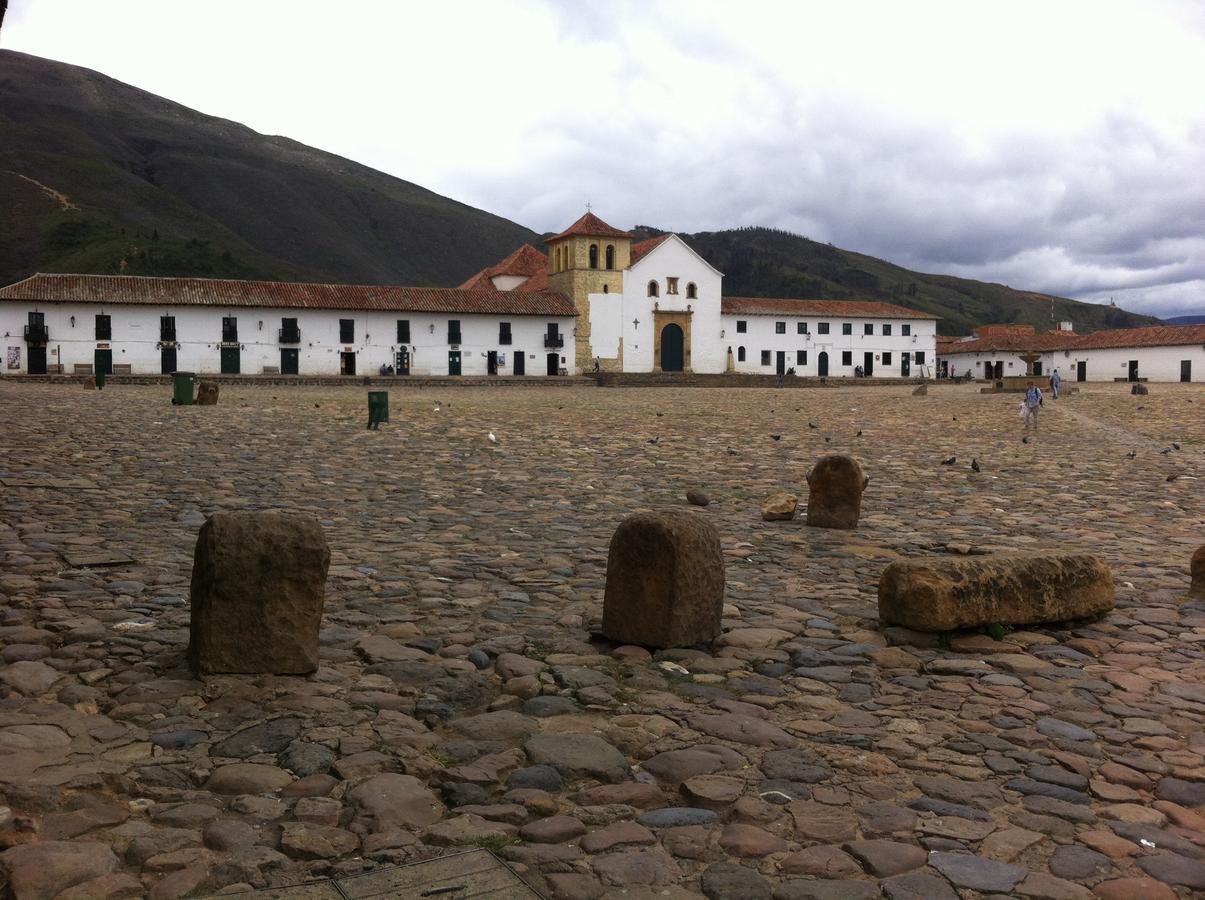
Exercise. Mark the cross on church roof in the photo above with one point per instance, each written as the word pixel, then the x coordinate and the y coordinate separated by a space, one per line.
pixel 588 206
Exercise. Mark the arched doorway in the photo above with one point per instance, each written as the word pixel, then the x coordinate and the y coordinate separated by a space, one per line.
pixel 822 364
pixel 672 348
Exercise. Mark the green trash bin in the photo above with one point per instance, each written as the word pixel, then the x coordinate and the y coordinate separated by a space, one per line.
pixel 378 408
pixel 184 389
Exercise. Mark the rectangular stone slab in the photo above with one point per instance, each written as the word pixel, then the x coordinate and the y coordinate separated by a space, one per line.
pixel 1008 588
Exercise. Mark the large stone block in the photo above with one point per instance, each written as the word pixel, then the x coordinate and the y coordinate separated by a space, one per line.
pixel 835 486
pixel 1197 568
pixel 257 589
pixel 1012 589
pixel 207 393
pixel 665 581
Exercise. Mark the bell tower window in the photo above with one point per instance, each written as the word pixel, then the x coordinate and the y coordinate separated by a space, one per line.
pixel 653 292
pixel 610 256
pixel 594 256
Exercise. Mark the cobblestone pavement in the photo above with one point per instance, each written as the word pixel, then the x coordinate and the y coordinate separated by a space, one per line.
pixel 461 700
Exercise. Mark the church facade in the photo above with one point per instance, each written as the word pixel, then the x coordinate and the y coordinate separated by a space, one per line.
pixel 657 306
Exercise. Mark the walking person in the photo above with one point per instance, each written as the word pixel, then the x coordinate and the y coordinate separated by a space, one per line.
pixel 1055 381
pixel 1030 406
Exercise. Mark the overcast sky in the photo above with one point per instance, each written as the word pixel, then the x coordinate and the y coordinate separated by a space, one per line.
pixel 1052 146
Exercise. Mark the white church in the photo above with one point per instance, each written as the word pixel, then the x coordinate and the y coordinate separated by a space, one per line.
pixel 595 302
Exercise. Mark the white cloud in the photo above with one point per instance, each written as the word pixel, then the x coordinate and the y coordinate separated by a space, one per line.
pixel 1051 146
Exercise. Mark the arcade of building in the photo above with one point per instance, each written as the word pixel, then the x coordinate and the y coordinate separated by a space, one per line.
pixel 597 301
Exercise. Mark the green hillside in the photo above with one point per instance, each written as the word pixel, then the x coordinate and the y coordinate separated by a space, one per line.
pixel 766 262
pixel 98 176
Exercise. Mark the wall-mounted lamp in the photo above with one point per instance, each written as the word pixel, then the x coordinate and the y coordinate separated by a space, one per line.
pixel 73 321
pixel 431 328
pixel 721 332
pixel 261 324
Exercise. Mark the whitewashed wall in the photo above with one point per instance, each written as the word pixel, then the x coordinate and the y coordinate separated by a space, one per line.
pixel 1154 363
pixel 761 335
pixel 672 258
pixel 135 334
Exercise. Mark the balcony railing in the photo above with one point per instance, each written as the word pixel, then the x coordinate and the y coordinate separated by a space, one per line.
pixel 289 335
pixel 36 334
pixel 167 335
pixel 554 340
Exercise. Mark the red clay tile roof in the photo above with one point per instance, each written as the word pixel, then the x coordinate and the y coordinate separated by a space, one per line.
pixel 526 261
pixel 589 225
pixel 1013 342
pixel 285 295
pixel 644 248
pixel 761 306
pixel 1154 336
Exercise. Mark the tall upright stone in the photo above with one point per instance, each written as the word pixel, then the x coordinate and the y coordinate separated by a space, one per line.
pixel 1197 568
pixel 258 580
pixel 665 580
pixel 835 486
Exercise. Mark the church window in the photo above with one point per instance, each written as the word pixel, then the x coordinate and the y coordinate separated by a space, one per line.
pixel 906 330
pixel 692 292
pixel 741 326
pixel 822 327
pixel 652 289
pixel 801 327
pixel 868 328
pixel 594 256
pixel 801 357
pixel 780 327
pixel 886 359
pixel 610 256
pixel 740 354
pixel 671 285
pixel 847 357
pixel 886 330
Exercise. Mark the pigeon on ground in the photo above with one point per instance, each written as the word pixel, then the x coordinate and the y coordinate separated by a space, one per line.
pixel 812 425
pixel 975 467
pixel 1166 450
pixel 731 452
pixel 1173 477
pixel 859 434
pixel 1131 454
pixel 777 437
pixel 1175 446
pixel 493 440
pixel 1025 440
pixel 949 460
pixel 652 440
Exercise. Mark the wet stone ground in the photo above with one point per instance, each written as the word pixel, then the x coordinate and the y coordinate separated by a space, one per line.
pixel 462 701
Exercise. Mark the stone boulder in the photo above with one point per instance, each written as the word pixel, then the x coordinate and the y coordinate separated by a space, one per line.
pixel 45 869
pixel 207 393
pixel 89 383
pixel 835 486
pixel 388 801
pixel 779 507
pixel 1011 589
pixel 1139 388
pixel 665 581
pixel 1197 568
pixel 922 390
pixel 257 590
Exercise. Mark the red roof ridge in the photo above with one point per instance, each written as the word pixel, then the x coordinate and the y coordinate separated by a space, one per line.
pixel 526 260
pixel 789 307
pixel 644 248
pixel 589 225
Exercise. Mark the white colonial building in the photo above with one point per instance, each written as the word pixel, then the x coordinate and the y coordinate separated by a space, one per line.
pixel 1158 353
pixel 74 324
pixel 657 306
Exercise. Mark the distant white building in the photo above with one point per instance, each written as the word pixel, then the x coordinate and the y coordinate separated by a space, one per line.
pixel 1157 353
pixel 125 324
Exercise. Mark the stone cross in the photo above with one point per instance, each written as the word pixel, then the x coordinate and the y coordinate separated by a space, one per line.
pixel 1030 358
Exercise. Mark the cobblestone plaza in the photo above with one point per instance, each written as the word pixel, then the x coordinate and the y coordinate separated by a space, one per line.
pixel 462 702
